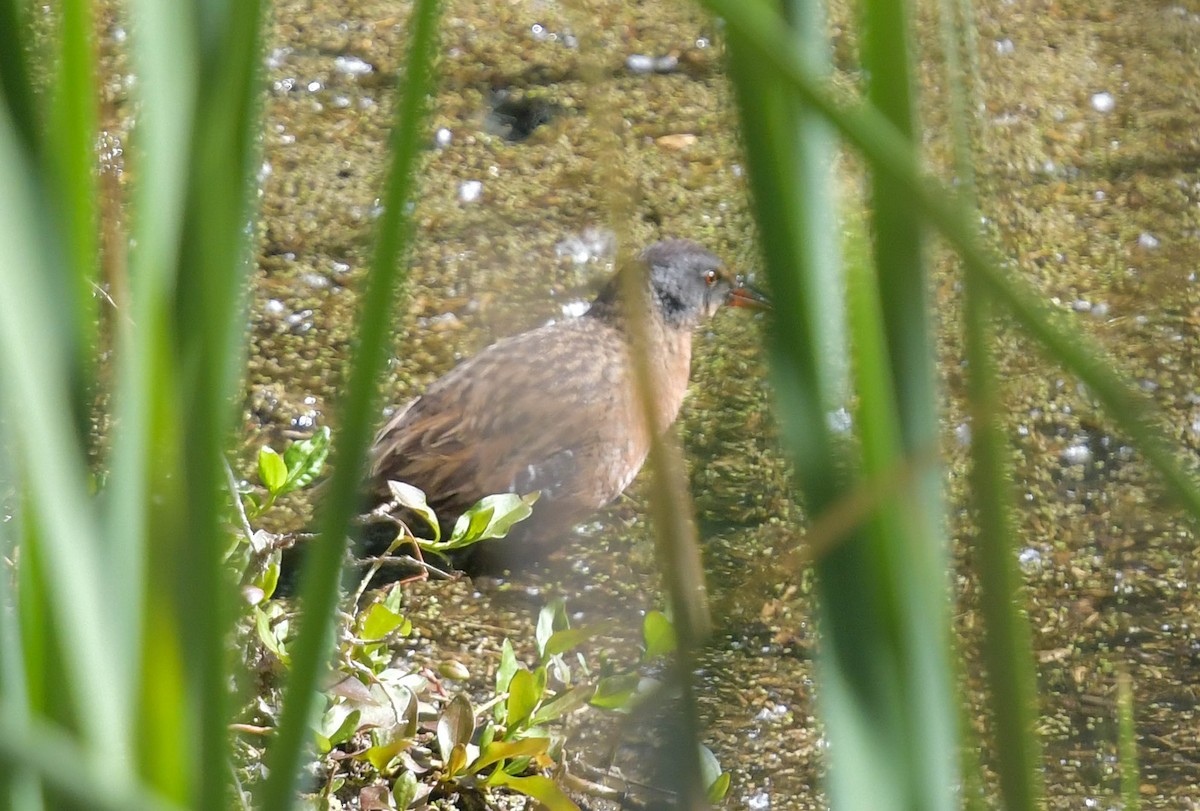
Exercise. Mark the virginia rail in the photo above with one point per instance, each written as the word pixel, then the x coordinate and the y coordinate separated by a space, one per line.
pixel 554 409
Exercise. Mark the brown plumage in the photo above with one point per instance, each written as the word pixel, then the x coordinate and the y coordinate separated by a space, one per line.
pixel 554 409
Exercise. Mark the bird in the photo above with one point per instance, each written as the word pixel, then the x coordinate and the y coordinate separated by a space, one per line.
pixel 554 410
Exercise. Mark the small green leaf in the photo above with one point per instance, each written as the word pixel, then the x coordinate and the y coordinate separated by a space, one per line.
pixel 382 755
pixel 272 470
pixel 470 525
pixel 487 735
pixel 540 788
pixel 504 673
pixel 718 788
pixel 710 768
pixel 490 517
pixel 253 506
pixel 496 752
pixel 568 639
pixel 455 726
pixel 412 498
pixel 347 727
pixel 394 600
pixel 268 579
pixel 305 460
pixel 539 682
pixel 522 698
pixel 658 635
pixel 270 636
pixel 323 744
pixel 377 622
pixel 404 791
pixel 552 617
pixel 562 704
pixel 517 766
pixel 615 692
pixel 457 761
pixel 374 655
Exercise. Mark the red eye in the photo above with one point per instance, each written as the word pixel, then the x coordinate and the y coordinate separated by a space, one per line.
pixel 710 277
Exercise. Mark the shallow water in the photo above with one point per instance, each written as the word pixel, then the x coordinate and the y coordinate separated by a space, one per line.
pixel 1088 171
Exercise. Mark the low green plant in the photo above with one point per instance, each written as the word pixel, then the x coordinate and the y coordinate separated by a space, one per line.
pixel 294 469
pixel 391 729
pixel 302 463
pixel 490 517
pixel 394 730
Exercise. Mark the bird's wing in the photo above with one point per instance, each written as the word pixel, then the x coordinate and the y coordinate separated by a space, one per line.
pixel 540 411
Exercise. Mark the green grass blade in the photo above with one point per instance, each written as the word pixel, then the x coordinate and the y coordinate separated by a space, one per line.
pixel 892 717
pixel 45 675
pixel 789 153
pixel 20 787
pixel 959 88
pixel 960 121
pixel 884 600
pixel 1127 744
pixel 179 348
pixel 678 555
pixel 319 585
pixel 143 496
pixel 896 229
pixel 885 148
pixel 16 88
pixel 35 678
pixel 71 154
pixel 73 772
pixel 209 332
pixel 913 527
pixel 50 458
pixel 1007 648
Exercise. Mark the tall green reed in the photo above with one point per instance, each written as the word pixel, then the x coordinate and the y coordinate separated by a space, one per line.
pixel 884 666
pixel 123 612
pixel 116 660
pixel 319 590
pixel 883 591
pixel 1007 647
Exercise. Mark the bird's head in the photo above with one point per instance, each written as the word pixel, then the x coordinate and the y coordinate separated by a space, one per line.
pixel 688 283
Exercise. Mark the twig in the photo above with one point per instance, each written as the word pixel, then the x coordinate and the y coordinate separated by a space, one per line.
pixel 231 482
